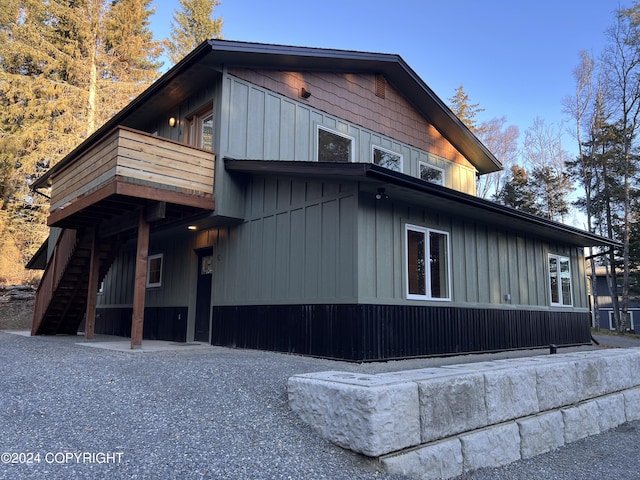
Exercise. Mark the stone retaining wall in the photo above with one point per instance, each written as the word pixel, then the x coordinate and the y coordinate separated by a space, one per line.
pixel 440 422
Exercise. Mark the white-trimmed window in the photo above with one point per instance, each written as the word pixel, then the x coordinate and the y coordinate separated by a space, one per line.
pixel 560 280
pixel 154 270
pixel 200 129
pixel 628 323
pixel 386 158
pixel 432 174
pixel 334 146
pixel 427 264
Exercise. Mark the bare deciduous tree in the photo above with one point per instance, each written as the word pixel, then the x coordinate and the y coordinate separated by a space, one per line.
pixel 544 156
pixel 501 140
pixel 578 106
pixel 621 63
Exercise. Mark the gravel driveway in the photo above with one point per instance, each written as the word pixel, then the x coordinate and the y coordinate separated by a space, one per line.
pixel 73 412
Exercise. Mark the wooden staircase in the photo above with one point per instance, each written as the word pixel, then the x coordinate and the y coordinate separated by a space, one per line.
pixel 61 299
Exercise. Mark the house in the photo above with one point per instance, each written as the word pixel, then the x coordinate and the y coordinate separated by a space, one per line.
pixel 305 200
pixel 605 317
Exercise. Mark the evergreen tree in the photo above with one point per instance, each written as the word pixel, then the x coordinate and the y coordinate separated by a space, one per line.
pixel 65 67
pixel 129 59
pixel 604 153
pixel 602 172
pixel 517 192
pixel 36 105
pixel 464 110
pixel 549 187
pixel 191 26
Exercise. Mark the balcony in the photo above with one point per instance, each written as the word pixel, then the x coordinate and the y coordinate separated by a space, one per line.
pixel 126 169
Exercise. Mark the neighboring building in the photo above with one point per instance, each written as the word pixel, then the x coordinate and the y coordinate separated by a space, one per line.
pixel 605 305
pixel 337 218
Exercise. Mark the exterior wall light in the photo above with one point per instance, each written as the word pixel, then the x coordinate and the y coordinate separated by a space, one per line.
pixel 381 195
pixel 192 227
pixel 173 122
pixel 304 93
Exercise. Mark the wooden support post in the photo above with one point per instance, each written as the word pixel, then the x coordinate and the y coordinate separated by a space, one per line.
pixel 92 288
pixel 140 282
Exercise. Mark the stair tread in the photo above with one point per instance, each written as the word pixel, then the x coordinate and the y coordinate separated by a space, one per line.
pixel 68 302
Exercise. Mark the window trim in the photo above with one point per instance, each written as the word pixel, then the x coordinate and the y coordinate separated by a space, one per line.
pixel 558 259
pixel 429 165
pixel 375 147
pixel 426 231
pixel 612 324
pixel 339 134
pixel 193 126
pixel 150 258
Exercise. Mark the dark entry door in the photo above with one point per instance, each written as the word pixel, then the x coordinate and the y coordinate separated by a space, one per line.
pixel 203 295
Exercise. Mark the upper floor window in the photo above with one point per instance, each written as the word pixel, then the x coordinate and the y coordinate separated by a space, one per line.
pixel 154 270
pixel 200 129
pixel 334 146
pixel 431 174
pixel 427 264
pixel 560 280
pixel 387 159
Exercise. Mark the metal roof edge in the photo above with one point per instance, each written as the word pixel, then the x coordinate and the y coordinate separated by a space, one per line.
pixel 383 174
pixel 489 205
pixel 486 162
pixel 299 51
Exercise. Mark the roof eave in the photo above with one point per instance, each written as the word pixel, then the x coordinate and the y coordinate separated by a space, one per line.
pixel 392 66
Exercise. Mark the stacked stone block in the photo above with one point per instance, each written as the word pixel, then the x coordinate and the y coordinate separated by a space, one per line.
pixel 441 422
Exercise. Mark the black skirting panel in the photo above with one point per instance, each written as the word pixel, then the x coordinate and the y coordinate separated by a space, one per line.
pixel 383 332
pixel 160 323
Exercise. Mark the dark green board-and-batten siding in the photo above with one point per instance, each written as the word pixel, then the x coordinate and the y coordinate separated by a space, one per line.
pixel 306 241
pixel 297 244
pixel 487 261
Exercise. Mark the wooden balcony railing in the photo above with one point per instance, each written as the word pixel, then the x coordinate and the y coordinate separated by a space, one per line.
pixel 136 164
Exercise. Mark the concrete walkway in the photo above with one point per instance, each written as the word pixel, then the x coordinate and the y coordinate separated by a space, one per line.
pixel 120 344
pixel 117 344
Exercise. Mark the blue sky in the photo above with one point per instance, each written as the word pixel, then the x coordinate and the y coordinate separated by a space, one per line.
pixel 514 58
